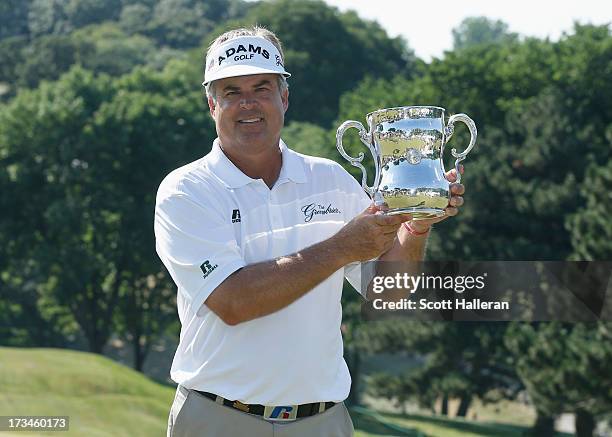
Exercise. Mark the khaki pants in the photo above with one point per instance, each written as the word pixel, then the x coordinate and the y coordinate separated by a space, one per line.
pixel 193 415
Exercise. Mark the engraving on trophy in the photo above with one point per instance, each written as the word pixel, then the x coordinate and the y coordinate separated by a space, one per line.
pixel 407 144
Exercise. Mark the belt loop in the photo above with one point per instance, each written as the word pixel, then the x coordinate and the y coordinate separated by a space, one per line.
pixel 321 407
pixel 219 400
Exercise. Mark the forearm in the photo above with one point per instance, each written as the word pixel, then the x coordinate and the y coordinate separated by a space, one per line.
pixel 263 288
pixel 406 247
pixel 406 252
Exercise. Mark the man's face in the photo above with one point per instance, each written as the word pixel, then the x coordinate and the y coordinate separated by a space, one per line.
pixel 249 112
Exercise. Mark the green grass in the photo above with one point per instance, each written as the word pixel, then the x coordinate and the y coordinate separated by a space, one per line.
pixel 104 398
pixel 417 425
pixel 101 397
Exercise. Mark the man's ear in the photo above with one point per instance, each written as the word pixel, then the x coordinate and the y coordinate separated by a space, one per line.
pixel 285 99
pixel 211 106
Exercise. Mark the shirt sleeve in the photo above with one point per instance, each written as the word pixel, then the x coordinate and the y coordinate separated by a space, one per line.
pixel 197 246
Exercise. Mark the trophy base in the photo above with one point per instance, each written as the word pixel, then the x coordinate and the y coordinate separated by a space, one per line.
pixel 418 213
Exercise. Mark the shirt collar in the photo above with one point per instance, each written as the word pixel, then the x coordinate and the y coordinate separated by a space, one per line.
pixel 292 167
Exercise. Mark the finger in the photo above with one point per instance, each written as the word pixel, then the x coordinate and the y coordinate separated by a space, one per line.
pixel 451 175
pixel 451 211
pixel 382 209
pixel 395 219
pixel 456 201
pixel 457 189
pixel 402 218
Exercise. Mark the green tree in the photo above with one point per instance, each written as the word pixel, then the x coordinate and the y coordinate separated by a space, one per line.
pixel 113 51
pixel 534 105
pixel 92 152
pixel 48 17
pixel 152 113
pixel 135 18
pixel 328 53
pixel 14 18
pixel 543 115
pixel 590 228
pixel 309 139
pixel 459 360
pixel 564 368
pixel 179 23
pixel 47 57
pixel 480 30
pixel 10 57
pixel 81 13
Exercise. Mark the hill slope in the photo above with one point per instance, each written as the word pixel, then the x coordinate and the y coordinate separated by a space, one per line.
pixel 101 397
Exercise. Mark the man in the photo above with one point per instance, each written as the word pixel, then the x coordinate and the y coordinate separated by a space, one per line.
pixel 258 239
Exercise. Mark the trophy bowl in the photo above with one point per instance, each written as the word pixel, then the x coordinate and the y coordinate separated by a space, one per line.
pixel 407 144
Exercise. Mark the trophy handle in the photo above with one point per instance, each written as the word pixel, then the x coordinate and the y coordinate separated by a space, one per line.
pixel 364 137
pixel 450 128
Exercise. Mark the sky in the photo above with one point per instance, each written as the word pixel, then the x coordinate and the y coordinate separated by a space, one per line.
pixel 427 25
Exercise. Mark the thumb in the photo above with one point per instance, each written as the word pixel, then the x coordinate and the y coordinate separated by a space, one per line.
pixel 372 209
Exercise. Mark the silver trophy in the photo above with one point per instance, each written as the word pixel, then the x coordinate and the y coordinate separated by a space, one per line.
pixel 407 144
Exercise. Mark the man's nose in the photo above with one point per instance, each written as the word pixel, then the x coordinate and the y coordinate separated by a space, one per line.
pixel 247 102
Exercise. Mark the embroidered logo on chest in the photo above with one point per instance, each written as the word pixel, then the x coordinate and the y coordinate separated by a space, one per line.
pixel 313 209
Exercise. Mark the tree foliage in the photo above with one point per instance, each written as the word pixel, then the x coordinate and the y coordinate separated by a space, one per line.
pixel 480 30
pixel 564 368
pixel 535 190
pixel 102 99
pixel 340 50
pixel 92 151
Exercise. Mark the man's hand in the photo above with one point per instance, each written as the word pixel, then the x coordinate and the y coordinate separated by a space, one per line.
pixel 369 234
pixel 451 210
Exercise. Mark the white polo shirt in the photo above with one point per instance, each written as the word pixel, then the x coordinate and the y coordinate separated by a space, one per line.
pixel 210 220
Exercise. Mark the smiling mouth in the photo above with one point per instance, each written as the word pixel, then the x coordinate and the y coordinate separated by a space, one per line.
pixel 250 120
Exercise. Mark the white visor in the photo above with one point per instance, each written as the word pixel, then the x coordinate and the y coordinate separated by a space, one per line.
pixel 243 56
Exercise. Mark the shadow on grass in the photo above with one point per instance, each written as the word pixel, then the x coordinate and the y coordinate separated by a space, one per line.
pixel 482 428
pixel 370 424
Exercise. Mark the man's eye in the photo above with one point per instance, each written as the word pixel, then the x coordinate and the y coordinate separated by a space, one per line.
pixel 231 93
pixel 261 89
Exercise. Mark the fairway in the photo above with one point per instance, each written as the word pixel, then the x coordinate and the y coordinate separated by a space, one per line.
pixel 106 399
pixel 101 397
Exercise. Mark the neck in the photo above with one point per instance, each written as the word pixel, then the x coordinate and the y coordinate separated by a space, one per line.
pixel 265 165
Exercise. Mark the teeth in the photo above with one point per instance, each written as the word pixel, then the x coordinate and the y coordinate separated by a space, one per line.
pixel 250 120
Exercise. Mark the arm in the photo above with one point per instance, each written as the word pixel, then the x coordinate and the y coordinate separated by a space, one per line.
pixel 407 247
pixel 263 288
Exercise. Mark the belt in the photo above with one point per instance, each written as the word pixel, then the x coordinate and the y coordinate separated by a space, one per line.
pixel 274 413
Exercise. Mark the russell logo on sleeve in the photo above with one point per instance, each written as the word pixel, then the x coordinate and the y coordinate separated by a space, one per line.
pixel 207 269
